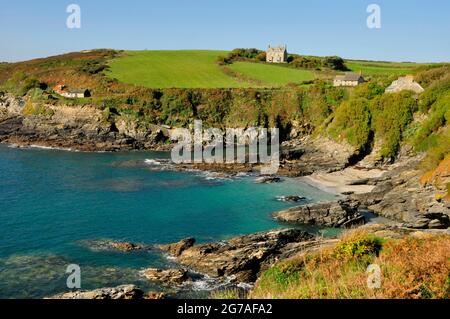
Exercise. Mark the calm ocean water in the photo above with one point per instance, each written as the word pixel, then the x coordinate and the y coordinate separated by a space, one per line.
pixel 51 201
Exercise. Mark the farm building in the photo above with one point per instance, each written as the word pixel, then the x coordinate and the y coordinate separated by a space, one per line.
pixel 73 94
pixel 405 83
pixel 277 54
pixel 62 90
pixel 350 79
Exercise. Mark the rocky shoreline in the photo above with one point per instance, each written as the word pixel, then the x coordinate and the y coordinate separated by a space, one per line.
pixel 392 191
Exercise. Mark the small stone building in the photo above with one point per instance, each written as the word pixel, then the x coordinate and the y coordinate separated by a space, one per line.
pixel 73 94
pixel 62 90
pixel 350 79
pixel 405 83
pixel 277 54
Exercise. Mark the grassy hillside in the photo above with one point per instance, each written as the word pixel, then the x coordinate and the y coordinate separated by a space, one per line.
pixel 198 69
pixel 272 75
pixel 370 68
pixel 172 69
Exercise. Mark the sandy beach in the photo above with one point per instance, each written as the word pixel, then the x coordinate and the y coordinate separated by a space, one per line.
pixel 349 180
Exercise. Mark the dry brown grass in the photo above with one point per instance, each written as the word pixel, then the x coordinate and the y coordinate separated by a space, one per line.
pixel 411 268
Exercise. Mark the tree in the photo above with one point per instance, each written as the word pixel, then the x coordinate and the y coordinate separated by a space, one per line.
pixel 335 63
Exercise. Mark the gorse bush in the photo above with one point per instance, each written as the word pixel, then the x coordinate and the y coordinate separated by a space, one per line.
pixel 352 122
pixel 391 115
pixel 434 92
pixel 358 246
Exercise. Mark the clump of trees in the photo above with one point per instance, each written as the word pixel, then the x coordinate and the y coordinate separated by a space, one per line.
pixel 334 63
pixel 242 54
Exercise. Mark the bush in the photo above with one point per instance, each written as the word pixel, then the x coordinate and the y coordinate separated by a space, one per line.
pixel 334 63
pixel 352 121
pixel 261 57
pixel 306 63
pixel 391 115
pixel 358 246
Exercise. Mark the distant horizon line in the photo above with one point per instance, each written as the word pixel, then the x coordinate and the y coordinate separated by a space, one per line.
pixel 225 50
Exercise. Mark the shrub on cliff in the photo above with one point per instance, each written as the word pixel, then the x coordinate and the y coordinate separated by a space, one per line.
pixel 391 115
pixel 352 121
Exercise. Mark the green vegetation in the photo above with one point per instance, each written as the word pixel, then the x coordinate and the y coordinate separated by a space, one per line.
pixel 353 123
pixel 172 69
pixel 175 87
pixel 198 69
pixel 20 83
pixel 271 75
pixel 32 108
pixel 410 268
pixel 370 68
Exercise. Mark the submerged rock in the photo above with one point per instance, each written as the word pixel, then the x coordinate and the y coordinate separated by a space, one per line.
pixel 342 213
pixel 267 179
pixel 113 245
pixel 120 292
pixel 290 198
pixel 245 256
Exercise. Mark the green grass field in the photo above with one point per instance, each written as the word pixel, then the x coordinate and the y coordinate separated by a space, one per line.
pixel 381 68
pixel 271 75
pixel 197 69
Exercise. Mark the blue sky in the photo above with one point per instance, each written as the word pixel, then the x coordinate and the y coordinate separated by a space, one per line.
pixel 412 30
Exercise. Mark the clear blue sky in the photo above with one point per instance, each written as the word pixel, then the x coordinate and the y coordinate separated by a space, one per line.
pixel 412 30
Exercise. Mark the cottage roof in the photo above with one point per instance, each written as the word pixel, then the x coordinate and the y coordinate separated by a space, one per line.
pixel 349 77
pixel 405 83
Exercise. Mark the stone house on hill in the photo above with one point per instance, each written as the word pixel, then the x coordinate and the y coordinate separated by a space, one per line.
pixel 277 54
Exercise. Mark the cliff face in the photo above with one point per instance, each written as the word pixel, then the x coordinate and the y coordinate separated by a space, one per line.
pixel 79 127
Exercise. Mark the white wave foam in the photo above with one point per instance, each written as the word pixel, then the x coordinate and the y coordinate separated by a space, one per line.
pixel 152 162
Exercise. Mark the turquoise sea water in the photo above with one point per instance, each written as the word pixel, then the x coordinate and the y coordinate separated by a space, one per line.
pixel 51 201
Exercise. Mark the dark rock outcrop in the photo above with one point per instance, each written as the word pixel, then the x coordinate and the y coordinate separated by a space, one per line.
pixel 244 257
pixel 305 156
pixel 176 249
pixel 83 128
pixel 342 213
pixel 398 195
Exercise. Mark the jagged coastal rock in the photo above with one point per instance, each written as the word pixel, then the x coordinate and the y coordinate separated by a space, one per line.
pixel 176 249
pixel 245 256
pixel 120 292
pixel 398 195
pixel 78 127
pixel 341 213
pixel 166 276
